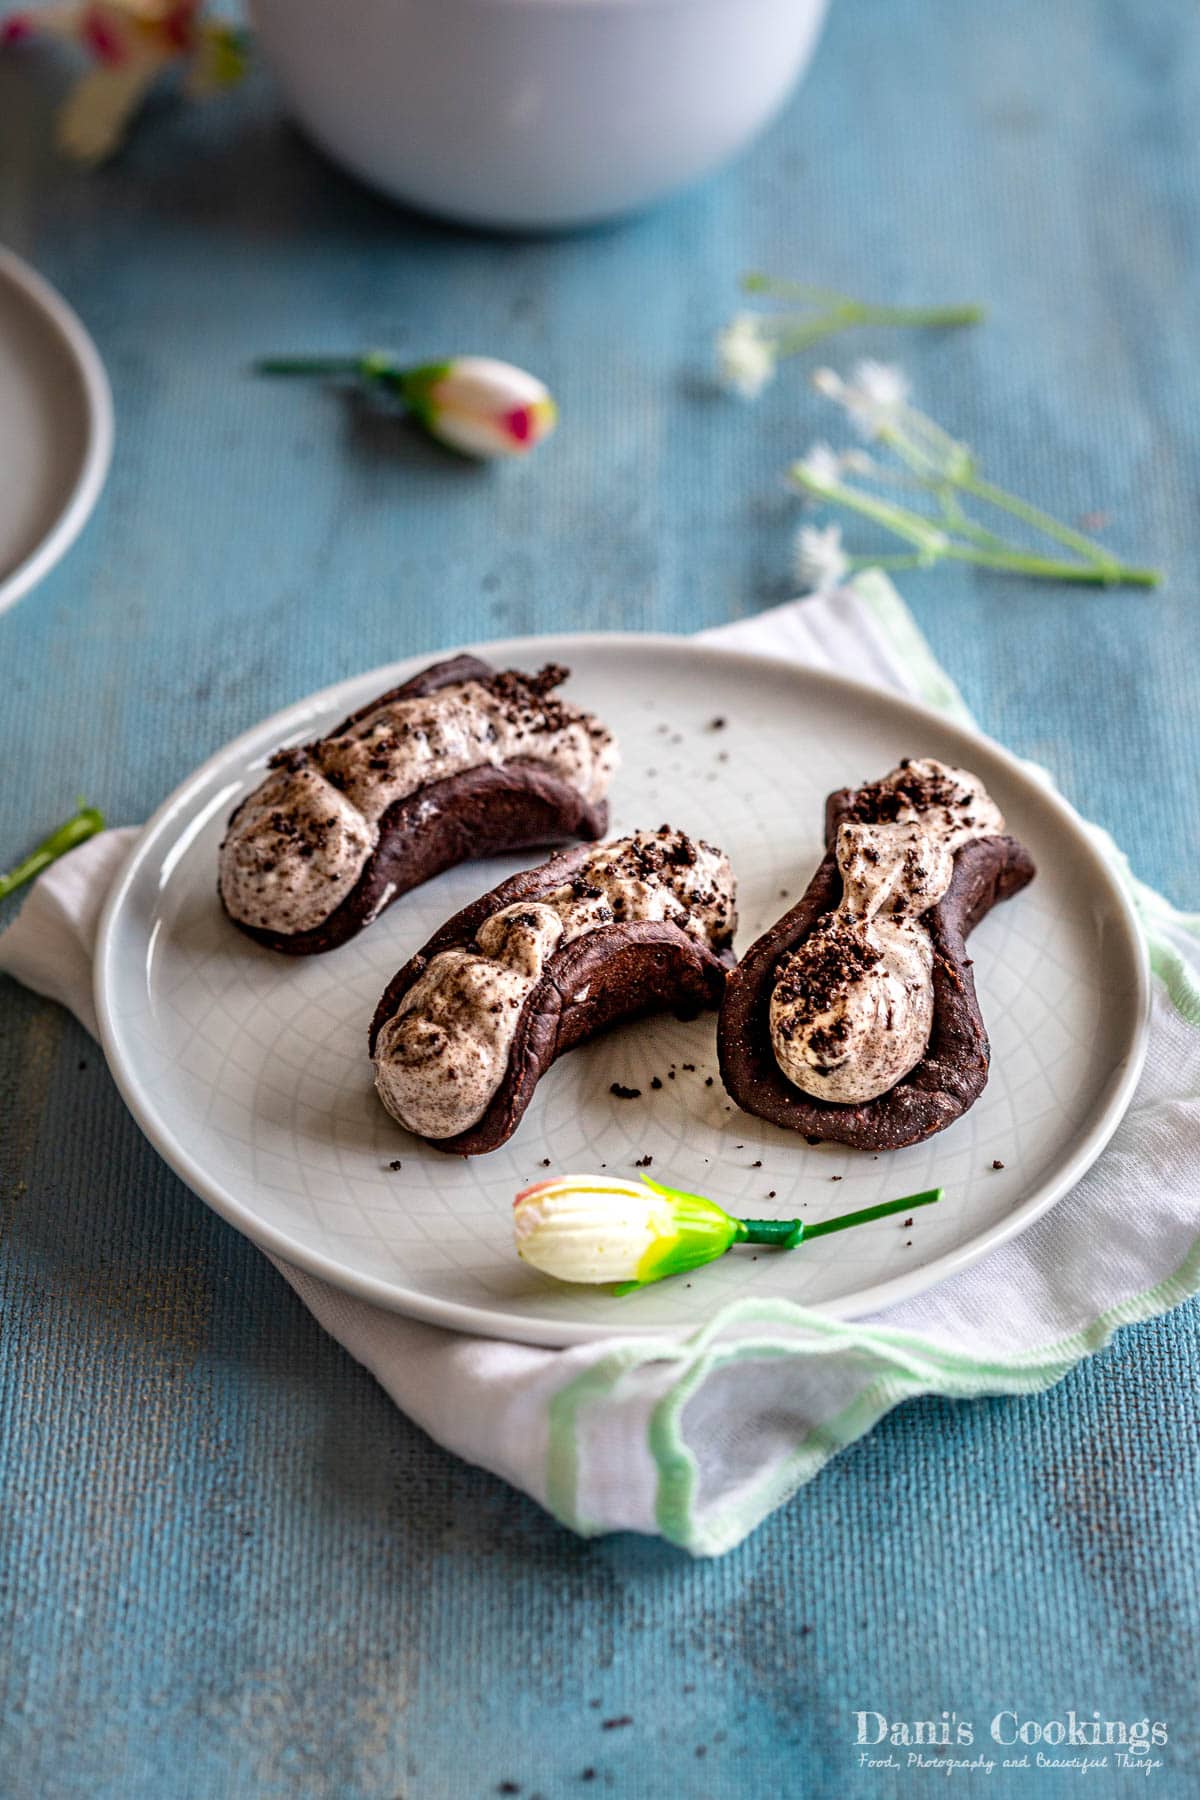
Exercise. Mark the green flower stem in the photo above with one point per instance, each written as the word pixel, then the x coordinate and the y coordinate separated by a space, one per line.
pixel 76 830
pixel 1042 568
pixel 927 315
pixel 986 552
pixel 414 387
pixel 957 520
pixel 850 311
pixel 844 1221
pixel 793 332
pixel 803 337
pixel 314 365
pixel 928 451
pixel 784 1234
pixel 1040 521
pixel 940 461
pixel 944 488
pixel 908 525
pixel 1048 568
pixel 376 367
pixel 778 289
pixel 790 339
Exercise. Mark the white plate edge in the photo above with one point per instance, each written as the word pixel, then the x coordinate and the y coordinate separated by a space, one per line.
pixel 89 483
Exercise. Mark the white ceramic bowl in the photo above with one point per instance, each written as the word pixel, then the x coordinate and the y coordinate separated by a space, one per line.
pixel 535 113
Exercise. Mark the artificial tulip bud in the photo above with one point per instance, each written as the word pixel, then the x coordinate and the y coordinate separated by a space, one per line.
pixel 595 1229
pixel 480 406
pixel 474 404
pixel 586 1228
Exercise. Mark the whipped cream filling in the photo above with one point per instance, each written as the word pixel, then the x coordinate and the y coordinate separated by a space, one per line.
pixel 852 1006
pixel 300 842
pixel 441 1057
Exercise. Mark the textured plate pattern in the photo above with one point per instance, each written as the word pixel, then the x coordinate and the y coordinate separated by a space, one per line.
pixel 249 1071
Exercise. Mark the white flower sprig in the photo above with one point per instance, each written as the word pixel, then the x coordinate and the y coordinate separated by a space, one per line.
pixel 751 346
pixel 944 471
pixel 819 562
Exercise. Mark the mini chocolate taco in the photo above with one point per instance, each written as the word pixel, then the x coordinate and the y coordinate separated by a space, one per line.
pixel 854 1018
pixel 461 761
pixel 546 961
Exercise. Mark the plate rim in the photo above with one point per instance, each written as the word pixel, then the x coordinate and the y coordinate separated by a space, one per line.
pixel 98 406
pixel 557 1333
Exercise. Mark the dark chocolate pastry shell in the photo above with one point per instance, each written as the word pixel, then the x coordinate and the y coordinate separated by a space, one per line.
pixel 954 1069
pixel 483 812
pixel 616 972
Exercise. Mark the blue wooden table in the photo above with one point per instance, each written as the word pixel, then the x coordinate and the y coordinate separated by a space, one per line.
pixel 230 1568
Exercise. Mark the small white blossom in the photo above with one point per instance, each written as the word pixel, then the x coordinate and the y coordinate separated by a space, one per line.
pixel 818 561
pixel 821 466
pixel 746 355
pixel 885 385
pixel 829 383
pixel 874 397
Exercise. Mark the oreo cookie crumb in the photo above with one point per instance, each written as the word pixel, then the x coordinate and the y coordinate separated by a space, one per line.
pixel 997 1164
pixel 621 1092
pixel 643 1162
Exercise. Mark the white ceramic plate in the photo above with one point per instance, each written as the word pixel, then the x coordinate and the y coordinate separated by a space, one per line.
pixel 248 1071
pixel 56 427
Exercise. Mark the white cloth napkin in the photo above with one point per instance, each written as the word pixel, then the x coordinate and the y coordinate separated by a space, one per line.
pixel 698 1441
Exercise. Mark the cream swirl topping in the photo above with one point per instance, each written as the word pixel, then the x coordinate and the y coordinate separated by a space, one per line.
pixel 851 1009
pixel 299 843
pixel 441 1057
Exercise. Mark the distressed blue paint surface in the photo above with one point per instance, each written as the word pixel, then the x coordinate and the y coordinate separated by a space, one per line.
pixel 230 1567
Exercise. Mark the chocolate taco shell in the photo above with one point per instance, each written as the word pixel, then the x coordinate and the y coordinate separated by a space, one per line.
pixel 954 1069
pixel 482 812
pixel 613 973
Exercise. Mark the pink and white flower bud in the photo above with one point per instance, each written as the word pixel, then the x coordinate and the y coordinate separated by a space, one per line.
pixel 488 408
